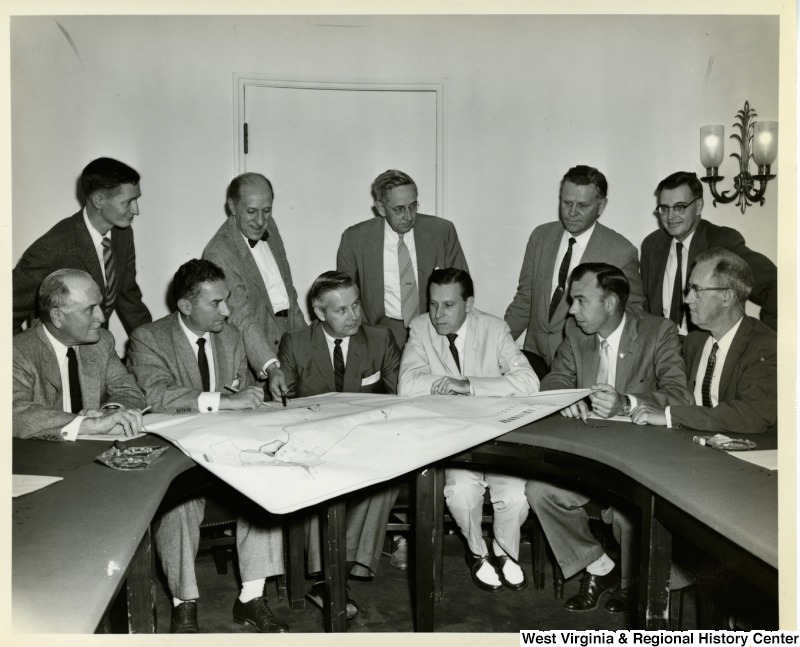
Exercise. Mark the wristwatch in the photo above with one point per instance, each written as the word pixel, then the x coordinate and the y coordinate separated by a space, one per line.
pixel 626 405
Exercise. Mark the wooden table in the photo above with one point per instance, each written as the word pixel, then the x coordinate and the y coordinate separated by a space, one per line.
pixel 77 541
pixel 726 506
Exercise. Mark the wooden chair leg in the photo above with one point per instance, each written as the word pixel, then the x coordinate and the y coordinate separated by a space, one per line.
pixel 220 560
pixel 438 533
pixel 539 550
pixel 280 586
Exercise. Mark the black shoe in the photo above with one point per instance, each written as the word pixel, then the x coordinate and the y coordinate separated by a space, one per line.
pixel 475 562
pixel 592 587
pixel 499 561
pixel 618 601
pixel 314 596
pixel 257 613
pixel 183 619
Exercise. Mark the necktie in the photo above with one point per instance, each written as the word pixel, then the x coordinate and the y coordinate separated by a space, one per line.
pixel 712 361
pixel 202 364
pixel 562 279
pixel 676 308
pixel 409 296
pixel 75 398
pixel 338 365
pixel 451 337
pixel 111 278
pixel 605 363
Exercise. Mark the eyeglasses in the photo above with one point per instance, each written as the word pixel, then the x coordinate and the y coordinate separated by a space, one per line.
pixel 399 211
pixel 677 209
pixel 695 289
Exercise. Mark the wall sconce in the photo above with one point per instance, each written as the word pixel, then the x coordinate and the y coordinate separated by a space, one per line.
pixel 757 139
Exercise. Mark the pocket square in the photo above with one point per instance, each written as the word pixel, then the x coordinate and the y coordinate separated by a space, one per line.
pixel 366 381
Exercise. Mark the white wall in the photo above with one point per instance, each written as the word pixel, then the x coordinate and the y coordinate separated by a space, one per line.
pixel 526 98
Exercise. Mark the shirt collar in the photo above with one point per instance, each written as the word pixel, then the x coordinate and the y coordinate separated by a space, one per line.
pixel 724 342
pixel 392 236
pixel 97 237
pixel 686 241
pixel 190 335
pixel 581 239
pixel 58 347
pixel 615 337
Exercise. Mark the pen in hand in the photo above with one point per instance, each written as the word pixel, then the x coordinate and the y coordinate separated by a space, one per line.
pixel 283 397
pixel 231 389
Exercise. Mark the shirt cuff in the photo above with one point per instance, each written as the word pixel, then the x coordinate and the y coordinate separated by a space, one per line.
pixel 208 402
pixel 634 402
pixel 267 364
pixel 70 431
pixel 669 417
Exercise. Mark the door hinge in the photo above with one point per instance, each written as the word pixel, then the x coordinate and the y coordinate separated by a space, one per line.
pixel 245 138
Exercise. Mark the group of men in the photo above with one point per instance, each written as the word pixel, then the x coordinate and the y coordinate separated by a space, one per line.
pixel 397 316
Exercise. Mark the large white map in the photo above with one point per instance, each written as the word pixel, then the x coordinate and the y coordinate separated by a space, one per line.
pixel 317 448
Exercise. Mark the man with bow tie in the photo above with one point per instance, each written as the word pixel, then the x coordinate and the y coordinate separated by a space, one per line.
pixel 263 301
pixel 629 359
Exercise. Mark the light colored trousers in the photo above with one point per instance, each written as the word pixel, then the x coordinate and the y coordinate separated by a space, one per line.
pixel 566 525
pixel 259 546
pixel 464 490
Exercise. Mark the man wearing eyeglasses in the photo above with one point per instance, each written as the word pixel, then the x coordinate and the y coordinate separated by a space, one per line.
pixel 669 254
pixel 731 361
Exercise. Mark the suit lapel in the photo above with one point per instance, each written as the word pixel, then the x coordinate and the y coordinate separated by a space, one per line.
pixel 591 360
pixel 275 244
pixel 734 354
pixel 356 356
pixel 184 353
pixel 627 352
pixel 85 250
pixel 549 257
pixel 658 271
pixel 699 244
pixel 242 249
pixel 91 373
pixel 373 259
pixel 322 358
pixel 50 369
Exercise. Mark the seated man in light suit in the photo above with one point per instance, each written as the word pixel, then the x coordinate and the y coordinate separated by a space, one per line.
pixel 184 362
pixel 736 390
pixel 67 378
pixel 338 354
pixel 629 359
pixel 457 349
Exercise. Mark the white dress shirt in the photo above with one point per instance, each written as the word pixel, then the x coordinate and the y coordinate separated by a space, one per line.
pixel 614 340
pixel 669 279
pixel 97 241
pixel 208 401
pixel 270 274
pixel 391 270
pixel 345 345
pixel 578 248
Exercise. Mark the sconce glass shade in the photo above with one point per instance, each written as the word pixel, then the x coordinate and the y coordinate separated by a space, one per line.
pixel 712 145
pixel 765 142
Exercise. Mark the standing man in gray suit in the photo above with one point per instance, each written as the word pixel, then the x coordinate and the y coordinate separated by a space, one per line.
pixel 98 239
pixel 554 250
pixel 184 362
pixel 67 379
pixel 263 301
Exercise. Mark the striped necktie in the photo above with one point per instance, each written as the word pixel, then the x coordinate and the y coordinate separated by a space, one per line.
pixel 409 295
pixel 605 363
pixel 338 366
pixel 111 278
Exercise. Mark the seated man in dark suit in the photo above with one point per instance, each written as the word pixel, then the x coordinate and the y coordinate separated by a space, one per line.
pixel 68 380
pixel 731 360
pixel 338 354
pixel 684 234
pixel 97 239
pixel 629 359
pixel 184 362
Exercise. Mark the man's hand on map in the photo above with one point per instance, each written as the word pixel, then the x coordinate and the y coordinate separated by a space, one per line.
pixel 450 386
pixel 247 398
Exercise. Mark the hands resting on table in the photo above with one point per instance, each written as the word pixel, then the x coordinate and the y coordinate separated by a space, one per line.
pixel 606 403
pixel 125 422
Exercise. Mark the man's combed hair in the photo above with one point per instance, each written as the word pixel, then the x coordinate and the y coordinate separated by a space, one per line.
pixel 191 275
pixel 54 291
pixel 107 175
pixel 610 279
pixel 389 180
pixel 329 282
pixel 730 271
pixel 680 179
pixel 583 175
pixel 235 187
pixel 451 275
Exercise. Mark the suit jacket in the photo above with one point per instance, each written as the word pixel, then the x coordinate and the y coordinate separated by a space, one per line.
pixel 69 245
pixel 165 367
pixel 251 310
pixel 531 305
pixel 370 367
pixel 655 251
pixel 361 256
pixel 38 393
pixel 649 364
pixel 748 386
pixel 491 360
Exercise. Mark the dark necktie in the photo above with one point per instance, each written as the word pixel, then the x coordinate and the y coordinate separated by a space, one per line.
pixel 202 364
pixel 562 279
pixel 75 398
pixel 706 390
pixel 338 365
pixel 451 337
pixel 253 243
pixel 111 278
pixel 676 308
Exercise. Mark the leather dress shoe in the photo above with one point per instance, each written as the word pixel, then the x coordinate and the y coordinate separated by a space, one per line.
pixel 618 601
pixel 499 561
pixel 475 562
pixel 592 587
pixel 257 613
pixel 183 619
pixel 314 596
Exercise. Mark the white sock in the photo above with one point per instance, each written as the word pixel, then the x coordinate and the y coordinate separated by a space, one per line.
pixel 601 566
pixel 487 574
pixel 252 590
pixel 511 570
pixel 177 602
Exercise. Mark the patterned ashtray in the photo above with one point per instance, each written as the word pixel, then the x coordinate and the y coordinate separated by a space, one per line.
pixel 724 443
pixel 120 457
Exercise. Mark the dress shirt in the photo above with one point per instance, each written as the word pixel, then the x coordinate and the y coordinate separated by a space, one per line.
pixel 70 430
pixel 461 343
pixel 669 279
pixel 208 401
pixel 578 248
pixel 270 274
pixel 391 270
pixel 331 345
pixel 614 340
pixel 97 241
pixel 723 346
